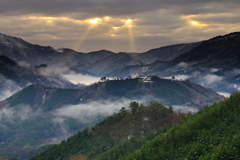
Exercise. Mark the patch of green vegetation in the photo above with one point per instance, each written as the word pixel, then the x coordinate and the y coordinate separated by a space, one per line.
pixel 124 148
pixel 212 133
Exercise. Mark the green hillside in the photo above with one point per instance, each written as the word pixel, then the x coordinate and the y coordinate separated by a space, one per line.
pixel 212 133
pixel 129 128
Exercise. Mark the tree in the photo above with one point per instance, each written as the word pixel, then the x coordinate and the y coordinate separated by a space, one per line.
pixel 103 78
pixel 133 107
pixel 122 111
pixel 170 109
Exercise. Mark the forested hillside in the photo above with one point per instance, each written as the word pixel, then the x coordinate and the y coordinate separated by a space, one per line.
pixel 129 127
pixel 212 133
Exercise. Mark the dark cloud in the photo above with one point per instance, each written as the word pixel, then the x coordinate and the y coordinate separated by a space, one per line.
pixel 154 22
pixel 222 18
pixel 97 8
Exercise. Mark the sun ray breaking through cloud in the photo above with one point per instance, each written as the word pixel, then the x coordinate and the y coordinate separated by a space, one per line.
pixel 165 24
pixel 192 22
pixel 199 24
pixel 131 40
pixel 129 25
pixel 78 44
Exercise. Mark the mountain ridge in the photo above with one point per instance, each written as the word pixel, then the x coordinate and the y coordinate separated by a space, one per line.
pixel 132 88
pixel 95 62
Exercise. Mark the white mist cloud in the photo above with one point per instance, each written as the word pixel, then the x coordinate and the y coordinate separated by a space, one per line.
pixel 7 87
pixel 185 109
pixel 212 70
pixel 55 76
pixel 49 71
pixel 64 130
pixel 236 71
pixel 236 87
pixel 77 78
pixel 4 94
pixel 182 77
pixel 196 74
pixel 87 113
pixel 24 64
pixel 225 94
pixel 182 65
pixel 210 78
pixel 20 112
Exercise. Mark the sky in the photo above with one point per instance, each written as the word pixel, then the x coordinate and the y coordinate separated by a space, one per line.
pixel 117 25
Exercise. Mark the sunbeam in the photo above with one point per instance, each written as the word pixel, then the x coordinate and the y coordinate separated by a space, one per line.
pixel 78 44
pixel 128 23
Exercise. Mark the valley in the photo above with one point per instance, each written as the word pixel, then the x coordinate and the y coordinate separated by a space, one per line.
pixel 41 108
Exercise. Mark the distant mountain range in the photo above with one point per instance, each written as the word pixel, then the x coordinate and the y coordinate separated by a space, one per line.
pixel 98 63
pixel 217 57
pixel 221 52
pixel 39 115
pixel 14 77
pixel 147 88
pixel 213 63
pixel 24 75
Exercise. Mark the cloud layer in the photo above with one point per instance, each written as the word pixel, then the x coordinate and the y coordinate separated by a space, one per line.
pixel 80 78
pixel 87 113
pixel 153 23
pixel 7 87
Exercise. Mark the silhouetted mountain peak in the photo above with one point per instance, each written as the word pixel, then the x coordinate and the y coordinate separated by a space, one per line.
pixel 226 37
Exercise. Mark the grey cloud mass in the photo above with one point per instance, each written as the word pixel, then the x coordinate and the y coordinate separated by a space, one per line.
pixel 89 25
pixel 96 7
